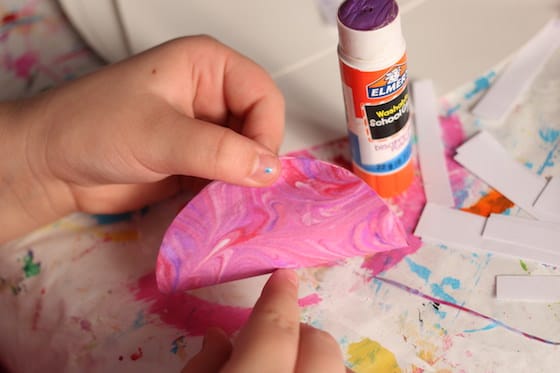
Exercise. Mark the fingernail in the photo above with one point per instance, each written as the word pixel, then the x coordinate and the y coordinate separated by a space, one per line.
pixel 289 275
pixel 266 169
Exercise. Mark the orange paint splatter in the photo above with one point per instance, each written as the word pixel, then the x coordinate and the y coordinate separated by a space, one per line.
pixel 491 203
pixel 121 236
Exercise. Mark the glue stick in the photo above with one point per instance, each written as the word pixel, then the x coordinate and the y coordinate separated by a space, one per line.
pixel 373 67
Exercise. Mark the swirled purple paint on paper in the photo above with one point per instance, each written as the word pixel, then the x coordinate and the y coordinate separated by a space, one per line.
pixel 316 213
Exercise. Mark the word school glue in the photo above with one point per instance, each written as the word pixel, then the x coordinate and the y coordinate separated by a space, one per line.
pixel 373 68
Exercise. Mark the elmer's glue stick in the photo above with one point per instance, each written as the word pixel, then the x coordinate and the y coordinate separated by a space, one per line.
pixel 373 67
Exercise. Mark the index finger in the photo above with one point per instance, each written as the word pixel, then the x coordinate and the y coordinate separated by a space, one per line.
pixel 269 340
pixel 253 96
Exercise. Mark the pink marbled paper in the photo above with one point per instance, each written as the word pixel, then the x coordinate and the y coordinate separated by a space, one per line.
pixel 316 213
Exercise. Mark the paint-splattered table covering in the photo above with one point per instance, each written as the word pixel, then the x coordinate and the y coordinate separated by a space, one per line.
pixel 80 295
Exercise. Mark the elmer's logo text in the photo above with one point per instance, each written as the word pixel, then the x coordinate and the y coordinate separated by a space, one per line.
pixel 390 83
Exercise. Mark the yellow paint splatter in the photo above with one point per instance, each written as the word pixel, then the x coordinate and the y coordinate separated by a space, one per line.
pixel 369 356
pixel 427 356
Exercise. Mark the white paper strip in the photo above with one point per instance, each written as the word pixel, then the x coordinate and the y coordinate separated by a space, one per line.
pixel 519 74
pixel 547 204
pixel 532 288
pixel 456 228
pixel 431 152
pixel 486 158
pixel 520 252
pixel 523 232
pixel 463 230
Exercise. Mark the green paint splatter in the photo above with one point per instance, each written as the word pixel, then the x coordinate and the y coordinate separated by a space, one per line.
pixel 523 265
pixel 29 267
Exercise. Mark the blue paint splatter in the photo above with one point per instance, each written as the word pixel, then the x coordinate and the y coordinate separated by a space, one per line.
pixel 106 219
pixel 377 285
pixel 480 84
pixel 316 324
pixel 139 321
pixel 452 110
pixel 549 135
pixel 461 196
pixel 441 314
pixel 421 271
pixel 483 329
pixel 548 160
pixel 439 289
pixel 468 311
pixel 179 342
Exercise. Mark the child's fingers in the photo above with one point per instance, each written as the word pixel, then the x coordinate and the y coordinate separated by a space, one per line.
pixel 252 95
pixel 318 352
pixel 215 351
pixel 269 340
pixel 206 79
pixel 186 146
pixel 117 198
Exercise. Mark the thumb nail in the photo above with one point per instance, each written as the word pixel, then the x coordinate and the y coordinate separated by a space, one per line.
pixel 266 169
pixel 213 335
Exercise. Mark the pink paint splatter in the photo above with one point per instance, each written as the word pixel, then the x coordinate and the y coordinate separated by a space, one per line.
pixel 37 314
pixel 410 203
pixel 309 300
pixel 453 136
pixel 447 342
pixel 9 18
pixel 192 314
pixel 137 355
pixel 187 312
pixel 23 65
pixel 85 325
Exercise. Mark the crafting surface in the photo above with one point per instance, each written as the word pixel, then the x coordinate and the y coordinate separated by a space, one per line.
pixel 85 286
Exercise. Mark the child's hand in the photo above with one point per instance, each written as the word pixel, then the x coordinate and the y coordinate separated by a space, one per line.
pixel 113 140
pixel 273 340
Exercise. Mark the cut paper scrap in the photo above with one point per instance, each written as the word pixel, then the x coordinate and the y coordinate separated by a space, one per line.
pixel 463 230
pixel 316 213
pixel 431 152
pixel 456 228
pixel 519 74
pixel 485 157
pixel 547 205
pixel 538 238
pixel 528 288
